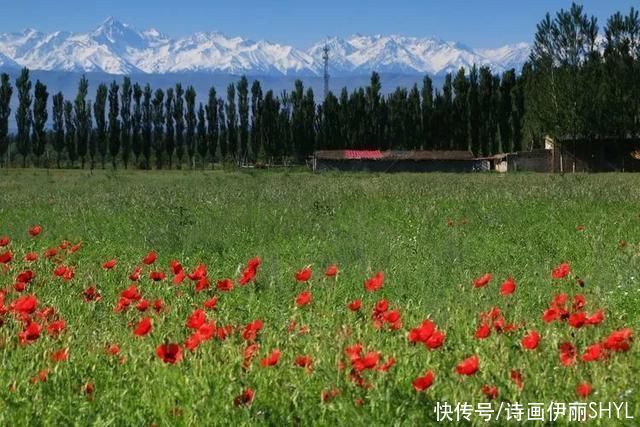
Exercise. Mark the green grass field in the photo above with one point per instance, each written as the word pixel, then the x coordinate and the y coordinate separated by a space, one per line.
pixel 431 235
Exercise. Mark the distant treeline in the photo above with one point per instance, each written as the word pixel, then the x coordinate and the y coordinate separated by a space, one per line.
pixel 577 85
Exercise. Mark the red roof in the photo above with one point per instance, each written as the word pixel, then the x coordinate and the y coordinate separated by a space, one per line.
pixel 362 154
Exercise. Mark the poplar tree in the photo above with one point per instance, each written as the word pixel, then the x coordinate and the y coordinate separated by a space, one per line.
pixel 99 144
pixel 178 116
pixel 136 123
pixel 147 121
pixel 70 132
pixel 257 131
pixel 125 116
pixel 243 114
pixel 232 123
pixel 23 115
pixel 169 140
pixel 212 124
pixel 190 118
pixel 58 126
pixel 114 123
pixel 201 136
pixel 158 126
pixel 6 91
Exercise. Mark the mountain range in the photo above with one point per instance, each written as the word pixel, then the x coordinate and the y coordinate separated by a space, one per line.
pixel 118 48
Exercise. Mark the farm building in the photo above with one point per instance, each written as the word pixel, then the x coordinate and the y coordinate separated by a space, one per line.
pixel 601 155
pixel 393 161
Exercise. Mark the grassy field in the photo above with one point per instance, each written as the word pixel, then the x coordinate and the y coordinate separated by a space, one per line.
pixel 431 235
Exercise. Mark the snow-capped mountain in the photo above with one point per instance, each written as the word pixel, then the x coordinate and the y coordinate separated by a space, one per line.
pixel 118 48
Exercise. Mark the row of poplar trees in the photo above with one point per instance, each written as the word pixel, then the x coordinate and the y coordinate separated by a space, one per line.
pixel 576 85
pixel 130 124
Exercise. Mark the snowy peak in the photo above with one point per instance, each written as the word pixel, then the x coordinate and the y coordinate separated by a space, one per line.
pixel 117 48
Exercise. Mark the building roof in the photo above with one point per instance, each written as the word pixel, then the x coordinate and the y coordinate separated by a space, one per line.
pixel 415 155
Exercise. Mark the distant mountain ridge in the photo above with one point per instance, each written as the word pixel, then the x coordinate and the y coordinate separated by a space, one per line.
pixel 117 48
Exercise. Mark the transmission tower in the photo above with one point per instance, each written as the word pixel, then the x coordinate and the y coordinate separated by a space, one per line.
pixel 325 58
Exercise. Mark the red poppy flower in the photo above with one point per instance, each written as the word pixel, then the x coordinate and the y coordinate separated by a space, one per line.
pixel 469 366
pixel 584 390
pixel 31 256
pixel 482 281
pixel 368 361
pixel 421 333
pixel 272 359
pixel 561 271
pixel 26 304
pixel 74 248
pixel 516 377
pixel 435 340
pixel 158 305
pixel 303 298
pixel 329 395
pixel 198 273
pixel 202 285
pixel 49 253
pixel 175 266
pixel 224 285
pixel 143 327
pixel 249 273
pixel 531 340
pixel 568 354
pixel 89 389
pixel 108 265
pixel 244 398
pixel 30 333
pixel 596 318
pixel 197 318
pixel 211 303
pixel 483 331
pixel 150 258
pixel 355 305
pixel 113 349
pixel 6 257
pixel 303 275
pixel 178 278
pixel 579 301
pixel 25 276
pixel 550 315
pixel 594 353
pixel 169 353
pixel 157 276
pixel 91 294
pixel 619 340
pixel 60 355
pixel 490 391
pixel 55 328
pixel 207 330
pixel 304 361
pixel 4 241
pixel 374 283
pixel 143 305
pixel 508 287
pixel 35 230
pixel 424 382
pixel 332 271
pixel 193 341
pixel 251 330
pixel 223 332
pixel 249 352
pixel 577 320
pixel 131 293
pixel 135 274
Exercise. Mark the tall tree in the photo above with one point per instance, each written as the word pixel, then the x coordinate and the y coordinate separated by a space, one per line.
pixel 23 115
pixel 125 116
pixel 136 123
pixel 232 122
pixel 190 137
pixel 269 119
pixel 427 111
pixel 460 111
pixel 243 114
pixel 374 126
pixel 169 141
pixel 58 126
pixel 40 116
pixel 114 123
pixel 223 129
pixel 158 126
pixel 5 111
pixel 99 114
pixel 178 116
pixel 309 111
pixel 212 124
pixel 70 128
pixel 414 118
pixel 147 128
pixel 256 120
pixel 201 136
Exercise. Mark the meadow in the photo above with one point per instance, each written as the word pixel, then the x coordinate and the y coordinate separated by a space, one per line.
pixel 444 243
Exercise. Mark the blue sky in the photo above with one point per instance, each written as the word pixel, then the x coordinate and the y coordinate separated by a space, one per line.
pixel 482 23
